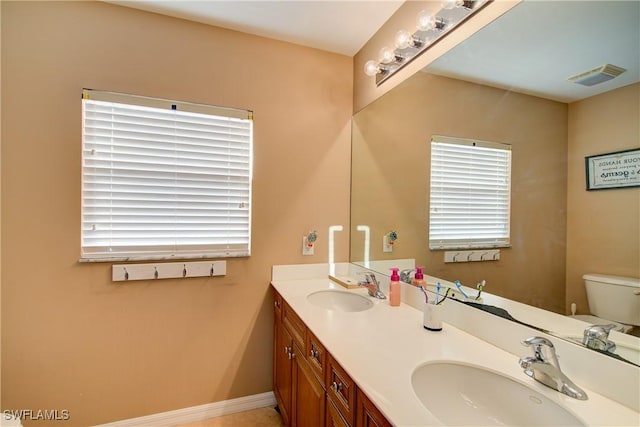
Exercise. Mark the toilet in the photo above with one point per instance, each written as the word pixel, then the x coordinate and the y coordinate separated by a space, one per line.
pixel 612 299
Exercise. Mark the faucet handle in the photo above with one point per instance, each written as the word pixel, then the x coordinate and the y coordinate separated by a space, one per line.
pixel 597 336
pixel 600 329
pixel 537 341
pixel 543 350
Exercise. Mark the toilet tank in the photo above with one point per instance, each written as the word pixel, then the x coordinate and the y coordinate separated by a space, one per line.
pixel 614 297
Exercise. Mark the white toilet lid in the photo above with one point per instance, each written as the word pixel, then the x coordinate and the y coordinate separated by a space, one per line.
pixel 598 321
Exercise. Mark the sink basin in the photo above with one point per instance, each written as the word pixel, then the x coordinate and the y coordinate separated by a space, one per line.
pixel 460 394
pixel 340 300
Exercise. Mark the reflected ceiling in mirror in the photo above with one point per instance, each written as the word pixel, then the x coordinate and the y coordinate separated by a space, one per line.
pixel 538 45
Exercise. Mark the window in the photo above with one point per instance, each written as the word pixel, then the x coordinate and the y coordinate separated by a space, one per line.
pixel 164 179
pixel 470 194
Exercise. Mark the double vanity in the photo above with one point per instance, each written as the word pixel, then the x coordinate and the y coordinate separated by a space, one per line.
pixel 344 358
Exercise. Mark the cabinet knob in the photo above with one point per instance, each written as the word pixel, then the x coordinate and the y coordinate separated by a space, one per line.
pixel 336 386
pixel 314 353
pixel 276 304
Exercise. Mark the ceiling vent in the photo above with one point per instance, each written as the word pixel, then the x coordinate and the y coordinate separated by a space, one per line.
pixel 597 75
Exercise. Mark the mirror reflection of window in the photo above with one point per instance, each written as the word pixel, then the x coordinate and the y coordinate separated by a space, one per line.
pixel 470 194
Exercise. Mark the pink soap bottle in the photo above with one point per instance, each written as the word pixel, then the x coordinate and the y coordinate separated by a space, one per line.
pixel 418 279
pixel 394 288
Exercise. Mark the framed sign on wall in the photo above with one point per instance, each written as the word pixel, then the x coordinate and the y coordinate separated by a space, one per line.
pixel 620 169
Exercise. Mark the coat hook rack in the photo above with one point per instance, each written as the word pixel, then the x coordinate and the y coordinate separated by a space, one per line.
pixel 167 270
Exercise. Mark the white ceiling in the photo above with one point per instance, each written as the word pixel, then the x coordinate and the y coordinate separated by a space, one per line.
pixel 533 48
pixel 335 26
pixel 536 46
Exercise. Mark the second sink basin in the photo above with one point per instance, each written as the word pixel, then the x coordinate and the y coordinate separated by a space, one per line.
pixel 459 394
pixel 340 300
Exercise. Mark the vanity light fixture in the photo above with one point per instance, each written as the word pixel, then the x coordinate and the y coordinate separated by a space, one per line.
pixel 429 29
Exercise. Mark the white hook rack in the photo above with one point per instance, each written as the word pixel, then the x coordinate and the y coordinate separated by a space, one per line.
pixel 167 270
pixel 472 255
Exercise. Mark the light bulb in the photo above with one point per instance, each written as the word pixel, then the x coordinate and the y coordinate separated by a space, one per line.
pixel 403 39
pixel 425 22
pixel 371 68
pixel 386 55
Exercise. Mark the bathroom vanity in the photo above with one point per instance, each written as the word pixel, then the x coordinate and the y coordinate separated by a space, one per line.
pixel 347 362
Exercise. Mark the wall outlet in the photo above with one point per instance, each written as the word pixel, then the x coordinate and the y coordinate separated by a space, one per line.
pixel 386 245
pixel 307 247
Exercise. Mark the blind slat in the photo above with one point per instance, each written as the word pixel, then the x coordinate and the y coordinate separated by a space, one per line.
pixel 470 194
pixel 162 182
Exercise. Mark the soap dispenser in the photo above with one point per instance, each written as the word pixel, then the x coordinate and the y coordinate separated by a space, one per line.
pixel 394 288
pixel 418 279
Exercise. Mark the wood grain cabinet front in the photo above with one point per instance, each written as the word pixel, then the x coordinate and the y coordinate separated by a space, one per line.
pixel 310 386
pixel 282 366
pixel 309 398
pixel 341 390
pixel 334 419
pixel 367 415
pixel 316 355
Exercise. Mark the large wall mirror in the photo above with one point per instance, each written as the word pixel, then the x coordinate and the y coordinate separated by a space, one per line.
pixel 508 83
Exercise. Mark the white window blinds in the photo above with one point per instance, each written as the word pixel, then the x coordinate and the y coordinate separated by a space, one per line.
pixel 470 194
pixel 163 179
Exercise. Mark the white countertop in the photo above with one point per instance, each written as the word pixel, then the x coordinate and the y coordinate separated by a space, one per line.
pixel 381 347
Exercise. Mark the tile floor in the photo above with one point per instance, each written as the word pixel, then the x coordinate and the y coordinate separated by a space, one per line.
pixel 262 417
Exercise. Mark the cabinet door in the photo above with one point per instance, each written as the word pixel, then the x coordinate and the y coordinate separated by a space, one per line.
pixel 309 398
pixel 367 415
pixel 334 419
pixel 316 355
pixel 341 390
pixel 283 369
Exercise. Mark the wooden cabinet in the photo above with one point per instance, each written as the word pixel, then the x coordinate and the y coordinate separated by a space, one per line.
pixel 298 389
pixel 341 390
pixel 367 415
pixel 282 364
pixel 316 355
pixel 309 398
pixel 311 388
pixel 334 418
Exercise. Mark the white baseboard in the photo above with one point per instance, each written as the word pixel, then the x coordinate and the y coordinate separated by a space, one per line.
pixel 199 413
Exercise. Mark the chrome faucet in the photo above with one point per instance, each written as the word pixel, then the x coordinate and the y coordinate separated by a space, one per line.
pixel 543 367
pixel 371 283
pixel 597 337
pixel 405 275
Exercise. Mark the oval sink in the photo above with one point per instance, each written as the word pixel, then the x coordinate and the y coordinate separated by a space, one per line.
pixel 460 394
pixel 339 300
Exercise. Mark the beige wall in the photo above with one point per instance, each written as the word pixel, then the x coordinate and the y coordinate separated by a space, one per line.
pixel 72 339
pixel 603 233
pixel 391 152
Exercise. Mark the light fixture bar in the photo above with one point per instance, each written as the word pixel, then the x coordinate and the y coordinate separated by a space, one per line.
pixel 429 30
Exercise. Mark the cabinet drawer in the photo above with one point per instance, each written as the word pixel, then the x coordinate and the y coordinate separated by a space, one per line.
pixel 334 419
pixel 316 355
pixel 277 305
pixel 294 324
pixel 367 413
pixel 341 390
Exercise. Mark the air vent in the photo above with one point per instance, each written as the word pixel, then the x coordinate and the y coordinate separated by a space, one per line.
pixel 597 75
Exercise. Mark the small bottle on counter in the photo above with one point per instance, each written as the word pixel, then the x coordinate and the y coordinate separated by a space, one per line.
pixel 394 288
pixel 418 279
